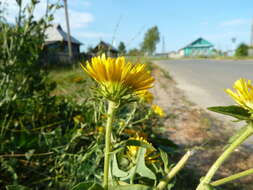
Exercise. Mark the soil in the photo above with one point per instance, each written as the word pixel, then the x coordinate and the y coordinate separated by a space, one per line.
pixel 190 126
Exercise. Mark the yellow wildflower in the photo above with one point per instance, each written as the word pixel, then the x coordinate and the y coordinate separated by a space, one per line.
pixel 146 96
pixel 158 110
pixel 100 129
pixel 244 93
pixel 133 150
pixel 78 119
pixel 117 77
pixel 132 132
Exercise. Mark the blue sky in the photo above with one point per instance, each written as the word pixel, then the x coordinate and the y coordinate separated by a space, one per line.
pixel 179 22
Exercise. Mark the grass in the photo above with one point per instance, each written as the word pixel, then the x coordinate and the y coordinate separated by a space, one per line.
pixel 71 81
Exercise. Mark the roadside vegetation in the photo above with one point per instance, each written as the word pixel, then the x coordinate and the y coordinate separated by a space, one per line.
pixel 94 128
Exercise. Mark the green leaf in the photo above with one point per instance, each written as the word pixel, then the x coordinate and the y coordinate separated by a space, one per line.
pixel 234 111
pixel 115 168
pixel 139 143
pixel 16 187
pixel 164 144
pixel 165 160
pixel 87 186
pixel 132 187
pixel 141 167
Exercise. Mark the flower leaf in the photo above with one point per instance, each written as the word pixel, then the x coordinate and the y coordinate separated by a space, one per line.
pixel 115 168
pixel 141 167
pixel 234 111
pixel 139 143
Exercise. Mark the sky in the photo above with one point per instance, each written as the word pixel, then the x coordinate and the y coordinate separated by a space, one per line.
pixel 180 21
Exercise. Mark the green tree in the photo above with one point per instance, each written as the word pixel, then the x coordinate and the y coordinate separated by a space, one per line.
pixel 134 52
pixel 122 48
pixel 242 50
pixel 152 37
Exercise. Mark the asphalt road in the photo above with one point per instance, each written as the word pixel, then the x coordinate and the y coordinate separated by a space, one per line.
pixel 204 81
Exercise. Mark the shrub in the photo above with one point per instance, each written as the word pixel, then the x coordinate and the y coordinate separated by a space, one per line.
pixel 242 50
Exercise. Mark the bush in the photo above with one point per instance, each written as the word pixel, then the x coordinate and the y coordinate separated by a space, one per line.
pixel 242 50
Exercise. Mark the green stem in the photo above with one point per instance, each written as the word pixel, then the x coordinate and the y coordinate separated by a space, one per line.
pixel 225 155
pixel 110 116
pixel 163 183
pixel 232 177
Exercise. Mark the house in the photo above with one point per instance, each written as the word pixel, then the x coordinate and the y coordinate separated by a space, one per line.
pixel 56 44
pixel 174 55
pixel 106 48
pixel 199 47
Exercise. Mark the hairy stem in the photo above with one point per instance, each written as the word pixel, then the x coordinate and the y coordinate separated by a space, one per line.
pixel 225 155
pixel 110 116
pixel 232 177
pixel 163 183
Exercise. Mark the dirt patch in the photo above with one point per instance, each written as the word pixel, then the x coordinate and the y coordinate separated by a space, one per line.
pixel 190 126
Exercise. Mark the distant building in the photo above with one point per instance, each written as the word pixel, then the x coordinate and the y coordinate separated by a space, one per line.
pixel 161 55
pixel 56 44
pixel 106 48
pixel 174 54
pixel 199 47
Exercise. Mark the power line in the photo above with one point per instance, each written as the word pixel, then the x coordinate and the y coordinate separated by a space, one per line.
pixel 135 36
pixel 116 29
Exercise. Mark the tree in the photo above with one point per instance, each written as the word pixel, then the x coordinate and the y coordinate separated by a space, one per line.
pixel 122 48
pixel 152 37
pixel 134 52
pixel 242 50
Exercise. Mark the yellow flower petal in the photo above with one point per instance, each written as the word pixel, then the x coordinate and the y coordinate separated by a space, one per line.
pixel 243 94
pixel 117 77
pixel 158 110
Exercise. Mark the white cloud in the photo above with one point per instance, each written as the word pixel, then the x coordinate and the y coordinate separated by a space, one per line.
pixel 235 22
pixel 77 19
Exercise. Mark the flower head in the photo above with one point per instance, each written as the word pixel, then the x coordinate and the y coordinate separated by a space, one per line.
pixel 146 96
pixel 158 110
pixel 78 119
pixel 244 93
pixel 133 150
pixel 118 78
pixel 100 129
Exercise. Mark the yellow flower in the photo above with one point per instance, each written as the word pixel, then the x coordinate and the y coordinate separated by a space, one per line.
pixel 100 129
pixel 158 110
pixel 146 96
pixel 244 93
pixel 133 150
pixel 117 77
pixel 78 119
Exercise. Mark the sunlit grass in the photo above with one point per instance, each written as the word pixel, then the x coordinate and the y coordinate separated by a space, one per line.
pixel 71 82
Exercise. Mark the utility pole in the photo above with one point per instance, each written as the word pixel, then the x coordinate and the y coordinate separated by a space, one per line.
pixel 233 45
pixel 251 37
pixel 68 30
pixel 163 45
